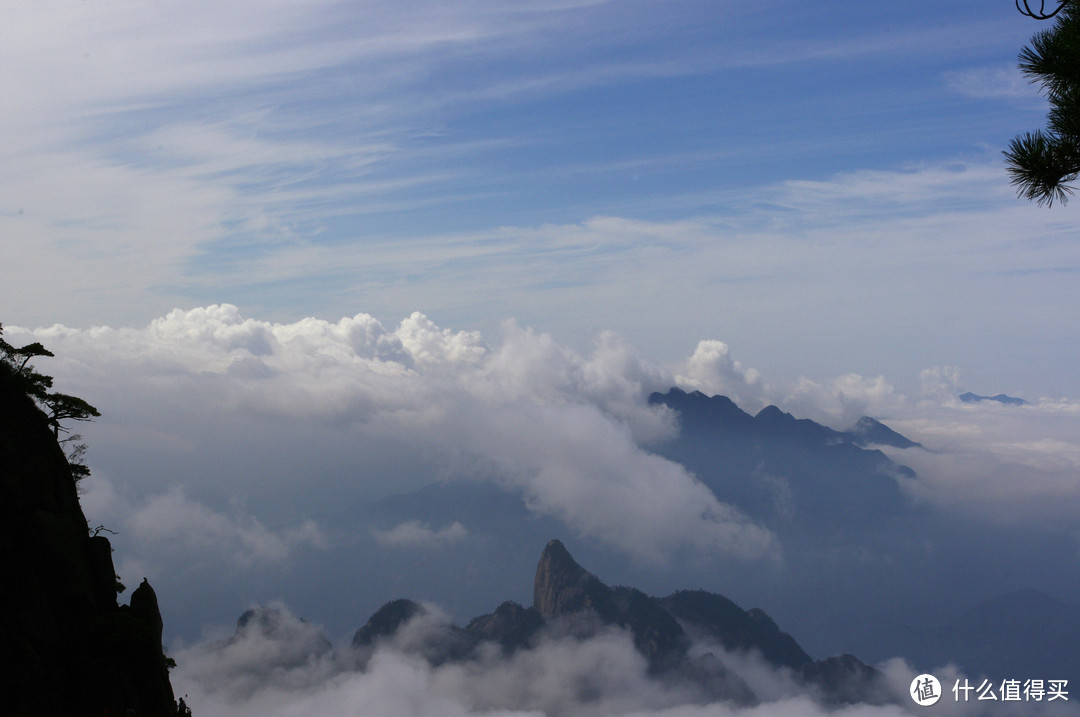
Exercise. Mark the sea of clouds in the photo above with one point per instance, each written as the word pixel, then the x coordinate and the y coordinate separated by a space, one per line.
pixel 527 414
pixel 519 410
pixel 285 667
pixel 225 442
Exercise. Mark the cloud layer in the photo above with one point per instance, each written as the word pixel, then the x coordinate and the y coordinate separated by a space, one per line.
pixel 281 667
pixel 528 415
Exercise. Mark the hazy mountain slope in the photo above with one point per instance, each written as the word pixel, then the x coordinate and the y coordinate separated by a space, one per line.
pixel 861 560
pixel 784 470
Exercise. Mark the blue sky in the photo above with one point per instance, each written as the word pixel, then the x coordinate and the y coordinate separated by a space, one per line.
pixel 820 186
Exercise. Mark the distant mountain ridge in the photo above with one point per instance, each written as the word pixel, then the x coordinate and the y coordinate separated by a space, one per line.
pixel 861 558
pixel 786 471
pixel 810 485
pixel 702 413
pixel 1001 398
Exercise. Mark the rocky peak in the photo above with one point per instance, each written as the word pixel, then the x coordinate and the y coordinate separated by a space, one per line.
pixel 144 606
pixel 435 640
pixel 511 625
pixel 699 413
pixel 563 587
pixel 386 621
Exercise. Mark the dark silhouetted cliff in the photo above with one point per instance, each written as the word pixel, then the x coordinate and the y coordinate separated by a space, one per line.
pixel 66 647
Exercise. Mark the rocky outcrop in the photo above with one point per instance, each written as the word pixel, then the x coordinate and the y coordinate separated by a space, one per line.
pixel 437 644
pixel 66 647
pixel 845 679
pixel 512 626
pixel 386 621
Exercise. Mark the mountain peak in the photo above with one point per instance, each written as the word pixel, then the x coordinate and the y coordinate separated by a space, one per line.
pixel 562 586
pixel 386 621
pixel 696 410
pixel 772 412
pixel 557 552
pixel 870 431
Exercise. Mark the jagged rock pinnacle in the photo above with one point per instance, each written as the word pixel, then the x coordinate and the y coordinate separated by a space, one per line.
pixel 562 586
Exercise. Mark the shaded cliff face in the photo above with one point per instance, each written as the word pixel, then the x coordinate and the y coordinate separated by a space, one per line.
pixel 512 626
pixel 735 628
pixel 563 587
pixel 66 646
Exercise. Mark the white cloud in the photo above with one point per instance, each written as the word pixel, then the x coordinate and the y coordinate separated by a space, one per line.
pixel 528 414
pixel 711 370
pixel 899 188
pixel 990 82
pixel 173 524
pixel 273 645
pixel 266 673
pixel 1011 464
pixel 841 401
pixel 577 464
pixel 942 383
pixel 414 534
